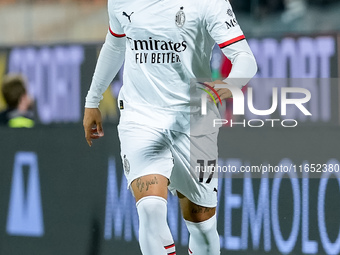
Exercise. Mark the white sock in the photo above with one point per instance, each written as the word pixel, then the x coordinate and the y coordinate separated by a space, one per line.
pixel 204 239
pixel 154 234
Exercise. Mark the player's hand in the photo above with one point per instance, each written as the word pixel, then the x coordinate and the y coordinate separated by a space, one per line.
pixel 92 124
pixel 224 93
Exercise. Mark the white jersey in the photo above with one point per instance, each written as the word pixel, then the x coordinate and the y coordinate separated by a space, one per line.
pixel 169 42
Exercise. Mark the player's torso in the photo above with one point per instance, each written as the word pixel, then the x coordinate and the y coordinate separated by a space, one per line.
pixel 161 31
pixel 167 46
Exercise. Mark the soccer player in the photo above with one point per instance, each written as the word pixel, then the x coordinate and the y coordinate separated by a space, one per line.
pixel 166 44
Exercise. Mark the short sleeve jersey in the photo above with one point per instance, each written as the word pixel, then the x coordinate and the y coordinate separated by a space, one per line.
pixel 168 43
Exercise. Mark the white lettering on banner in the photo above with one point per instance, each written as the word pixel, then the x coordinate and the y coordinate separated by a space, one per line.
pixel 256 217
pixel 258 221
pixel 285 246
pixel 25 214
pixel 232 201
pixel 306 58
pixel 308 246
pixel 303 57
pixel 329 247
pixel 121 213
pixel 53 75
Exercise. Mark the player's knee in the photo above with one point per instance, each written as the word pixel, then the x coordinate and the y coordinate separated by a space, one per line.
pixel 202 228
pixel 204 238
pixel 151 211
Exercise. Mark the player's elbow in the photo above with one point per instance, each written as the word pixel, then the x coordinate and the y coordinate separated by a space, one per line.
pixel 244 65
pixel 244 69
pixel 252 66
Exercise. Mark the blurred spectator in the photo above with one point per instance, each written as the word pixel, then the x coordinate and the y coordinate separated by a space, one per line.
pixel 266 7
pixel 258 8
pixel 293 9
pixel 19 104
pixel 241 6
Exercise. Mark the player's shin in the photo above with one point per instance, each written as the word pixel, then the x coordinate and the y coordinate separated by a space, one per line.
pixel 204 239
pixel 154 234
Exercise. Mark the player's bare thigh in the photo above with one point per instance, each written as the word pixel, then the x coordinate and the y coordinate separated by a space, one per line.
pixel 150 185
pixel 193 212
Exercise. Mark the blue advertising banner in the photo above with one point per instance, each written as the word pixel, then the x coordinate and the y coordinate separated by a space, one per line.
pixel 58 196
pixel 59 76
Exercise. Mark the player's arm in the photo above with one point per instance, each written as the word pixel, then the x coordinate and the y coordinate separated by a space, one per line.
pixel 110 60
pixel 220 21
pixel 244 67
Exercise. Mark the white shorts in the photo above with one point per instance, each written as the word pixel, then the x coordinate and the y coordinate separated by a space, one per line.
pixel 181 158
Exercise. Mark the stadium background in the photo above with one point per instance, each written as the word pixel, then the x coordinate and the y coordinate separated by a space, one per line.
pixel 60 197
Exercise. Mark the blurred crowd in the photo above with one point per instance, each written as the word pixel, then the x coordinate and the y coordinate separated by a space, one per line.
pixel 290 9
pixel 49 1
pixel 241 5
pixel 257 8
pixel 274 5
